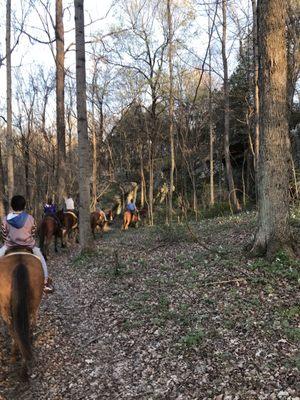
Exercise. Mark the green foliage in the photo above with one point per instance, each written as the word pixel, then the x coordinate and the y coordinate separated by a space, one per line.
pixel 84 258
pixel 292 332
pixel 220 209
pixel 193 338
pixel 282 267
pixel 172 233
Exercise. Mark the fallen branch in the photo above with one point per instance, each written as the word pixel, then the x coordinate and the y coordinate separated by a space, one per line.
pixel 215 283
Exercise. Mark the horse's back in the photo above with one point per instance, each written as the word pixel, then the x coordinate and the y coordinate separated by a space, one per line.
pixel 48 225
pixel 9 265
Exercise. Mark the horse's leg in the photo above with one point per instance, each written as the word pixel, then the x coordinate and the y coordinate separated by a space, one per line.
pixel 55 243
pixel 62 237
pixel 46 248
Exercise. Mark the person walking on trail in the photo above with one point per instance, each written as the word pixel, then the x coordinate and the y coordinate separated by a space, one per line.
pixel 132 207
pixel 18 230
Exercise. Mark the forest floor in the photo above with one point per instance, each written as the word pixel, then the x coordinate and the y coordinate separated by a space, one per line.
pixel 155 313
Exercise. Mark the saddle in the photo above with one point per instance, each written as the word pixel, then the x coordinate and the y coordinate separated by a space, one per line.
pixel 75 216
pixel 18 249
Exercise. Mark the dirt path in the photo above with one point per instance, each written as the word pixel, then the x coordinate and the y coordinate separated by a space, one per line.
pixel 153 315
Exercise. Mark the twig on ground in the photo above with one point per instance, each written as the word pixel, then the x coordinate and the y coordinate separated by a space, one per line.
pixel 215 283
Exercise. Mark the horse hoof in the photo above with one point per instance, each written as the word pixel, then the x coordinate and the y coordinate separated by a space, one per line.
pixel 24 374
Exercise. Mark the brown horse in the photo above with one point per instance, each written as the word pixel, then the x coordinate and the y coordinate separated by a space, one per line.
pixel 130 220
pixel 48 229
pixel 98 219
pixel 110 215
pixel 21 290
pixel 69 222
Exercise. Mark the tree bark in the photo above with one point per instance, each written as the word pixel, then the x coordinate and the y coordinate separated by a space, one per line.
pixel 2 201
pixel 85 236
pixel 232 190
pixel 60 101
pixel 211 130
pixel 171 109
pixel 94 141
pixel 9 137
pixel 273 232
pixel 255 84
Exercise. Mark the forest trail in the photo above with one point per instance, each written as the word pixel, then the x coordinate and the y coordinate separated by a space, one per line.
pixel 155 315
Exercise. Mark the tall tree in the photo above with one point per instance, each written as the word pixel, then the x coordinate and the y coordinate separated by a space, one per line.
pixel 9 138
pixel 255 84
pixel 171 108
pixel 273 232
pixel 232 190
pixel 83 140
pixel 2 203
pixel 60 100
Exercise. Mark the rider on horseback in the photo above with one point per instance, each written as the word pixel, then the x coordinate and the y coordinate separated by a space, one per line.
pixel 132 207
pixel 50 210
pixel 49 207
pixel 98 208
pixel 18 230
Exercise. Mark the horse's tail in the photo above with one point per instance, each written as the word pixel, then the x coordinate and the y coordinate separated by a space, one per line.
pixel 19 308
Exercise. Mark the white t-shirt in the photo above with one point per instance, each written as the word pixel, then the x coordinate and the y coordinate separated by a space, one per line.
pixel 69 203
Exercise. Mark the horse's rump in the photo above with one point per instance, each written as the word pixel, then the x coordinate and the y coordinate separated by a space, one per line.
pixel 21 289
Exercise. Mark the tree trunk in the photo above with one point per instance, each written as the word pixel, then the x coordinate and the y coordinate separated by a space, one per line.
pixel 142 176
pixel 94 141
pixel 232 191
pixel 211 130
pixel 273 232
pixel 2 202
pixel 9 138
pixel 255 84
pixel 171 110
pixel 85 236
pixel 60 101
pixel 151 184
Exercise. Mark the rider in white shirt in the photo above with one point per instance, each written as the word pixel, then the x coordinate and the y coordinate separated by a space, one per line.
pixel 69 202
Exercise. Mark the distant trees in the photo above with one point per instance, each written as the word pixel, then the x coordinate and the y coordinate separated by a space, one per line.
pixel 231 185
pixel 153 98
